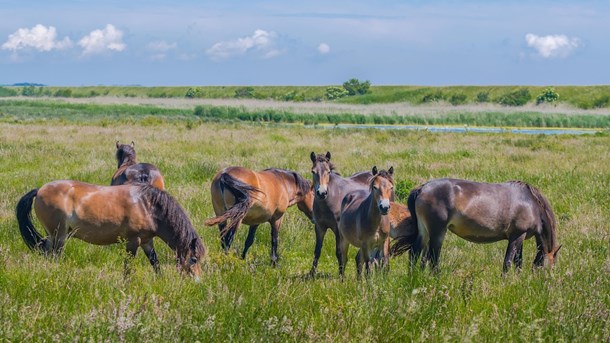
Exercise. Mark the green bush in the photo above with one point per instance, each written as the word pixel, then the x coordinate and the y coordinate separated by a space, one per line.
pixel 333 93
pixel 65 93
pixel 7 92
pixel 433 97
pixel 482 97
pixel 355 87
pixel 519 97
pixel 548 95
pixel 198 111
pixel 193 93
pixel 244 92
pixel 601 102
pixel 457 99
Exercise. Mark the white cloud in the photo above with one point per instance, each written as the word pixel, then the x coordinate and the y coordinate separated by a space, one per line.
pixel 99 41
pixel 323 48
pixel 261 40
pixel 39 38
pixel 552 45
pixel 161 46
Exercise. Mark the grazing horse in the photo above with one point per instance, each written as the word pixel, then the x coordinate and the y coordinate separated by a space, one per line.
pixel 105 215
pixel 130 171
pixel 483 213
pixel 330 189
pixel 364 221
pixel 240 195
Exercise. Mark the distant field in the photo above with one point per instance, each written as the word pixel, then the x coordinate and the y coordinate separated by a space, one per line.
pixel 582 97
pixel 83 295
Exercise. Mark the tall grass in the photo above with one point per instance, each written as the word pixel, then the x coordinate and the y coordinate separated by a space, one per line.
pixel 83 294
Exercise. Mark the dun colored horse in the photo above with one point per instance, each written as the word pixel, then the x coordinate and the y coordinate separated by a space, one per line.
pixel 104 215
pixel 330 189
pixel 240 195
pixel 482 213
pixel 129 171
pixel 365 223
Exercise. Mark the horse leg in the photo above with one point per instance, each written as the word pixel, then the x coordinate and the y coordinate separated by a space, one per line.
pixel 149 250
pixel 518 260
pixel 434 251
pixel 275 229
pixel 511 250
pixel 320 233
pixel 359 262
pixel 227 239
pixel 415 252
pixel 539 259
pixel 366 259
pixel 342 248
pixel 386 255
pixel 132 248
pixel 249 240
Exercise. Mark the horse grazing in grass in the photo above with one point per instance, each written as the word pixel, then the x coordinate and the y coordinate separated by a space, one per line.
pixel 364 221
pixel 240 195
pixel 104 215
pixel 129 171
pixel 483 213
pixel 330 189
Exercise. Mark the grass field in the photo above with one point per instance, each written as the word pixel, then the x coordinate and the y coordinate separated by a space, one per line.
pixel 84 296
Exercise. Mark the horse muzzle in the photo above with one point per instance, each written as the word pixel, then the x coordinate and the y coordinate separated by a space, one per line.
pixel 384 207
pixel 321 192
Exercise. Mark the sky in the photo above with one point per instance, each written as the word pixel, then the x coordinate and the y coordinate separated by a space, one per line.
pixel 235 42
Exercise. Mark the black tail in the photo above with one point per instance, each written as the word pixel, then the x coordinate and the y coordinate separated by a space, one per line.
pixel 243 194
pixel 30 236
pixel 408 230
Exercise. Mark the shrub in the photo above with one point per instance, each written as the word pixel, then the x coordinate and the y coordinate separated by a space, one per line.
pixel 433 97
pixel 548 95
pixel 65 93
pixel 519 97
pixel 457 99
pixel 355 87
pixel 333 93
pixel 601 102
pixel 7 92
pixel 193 93
pixel 483 97
pixel 293 96
pixel 198 111
pixel 244 92
pixel 28 91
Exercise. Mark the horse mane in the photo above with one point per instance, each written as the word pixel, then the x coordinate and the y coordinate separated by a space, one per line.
pixel 303 185
pixel 547 216
pixel 168 210
pixel 125 153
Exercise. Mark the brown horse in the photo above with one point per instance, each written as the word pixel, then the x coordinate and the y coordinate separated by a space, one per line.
pixel 364 222
pixel 129 171
pixel 330 189
pixel 104 215
pixel 240 195
pixel 482 213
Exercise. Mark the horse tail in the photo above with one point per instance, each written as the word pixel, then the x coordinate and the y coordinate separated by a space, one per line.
pixel 408 231
pixel 244 195
pixel 30 236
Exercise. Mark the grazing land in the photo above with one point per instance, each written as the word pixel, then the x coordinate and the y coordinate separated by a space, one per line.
pixel 83 295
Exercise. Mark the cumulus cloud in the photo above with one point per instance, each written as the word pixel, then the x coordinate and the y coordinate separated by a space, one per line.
pixel 323 48
pixel 99 41
pixel 552 46
pixel 160 49
pixel 39 38
pixel 262 41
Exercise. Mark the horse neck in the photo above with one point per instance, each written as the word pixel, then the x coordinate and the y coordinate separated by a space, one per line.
pixel 372 210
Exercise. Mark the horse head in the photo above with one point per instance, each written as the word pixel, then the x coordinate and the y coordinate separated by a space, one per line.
pixel 189 261
pixel 382 188
pixel 125 153
pixel 551 256
pixel 321 169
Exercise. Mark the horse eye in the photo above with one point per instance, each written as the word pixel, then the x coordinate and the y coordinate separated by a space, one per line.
pixel 193 260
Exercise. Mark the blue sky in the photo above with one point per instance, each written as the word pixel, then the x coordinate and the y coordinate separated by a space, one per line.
pixel 158 42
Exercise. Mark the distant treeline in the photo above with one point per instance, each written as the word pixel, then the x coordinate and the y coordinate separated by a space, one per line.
pixel 20 110
pixel 583 97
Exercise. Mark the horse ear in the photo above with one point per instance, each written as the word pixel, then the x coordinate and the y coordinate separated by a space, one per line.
pixel 193 244
pixel 391 170
pixel 117 144
pixel 313 157
pixel 556 251
pixel 328 155
pixel 375 170
pixel 133 144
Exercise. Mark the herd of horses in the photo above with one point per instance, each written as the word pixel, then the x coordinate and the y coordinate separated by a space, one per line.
pixel 360 210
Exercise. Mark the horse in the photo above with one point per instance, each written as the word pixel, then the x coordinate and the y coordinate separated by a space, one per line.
pixel 129 171
pixel 482 213
pixel 330 189
pixel 104 215
pixel 364 221
pixel 241 195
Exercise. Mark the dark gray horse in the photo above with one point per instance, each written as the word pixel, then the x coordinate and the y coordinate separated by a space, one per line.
pixel 482 213
pixel 129 171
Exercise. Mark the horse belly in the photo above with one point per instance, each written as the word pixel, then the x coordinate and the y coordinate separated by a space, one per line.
pixel 257 214
pixel 475 231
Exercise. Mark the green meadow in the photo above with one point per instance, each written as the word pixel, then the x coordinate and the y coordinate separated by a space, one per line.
pixel 84 296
